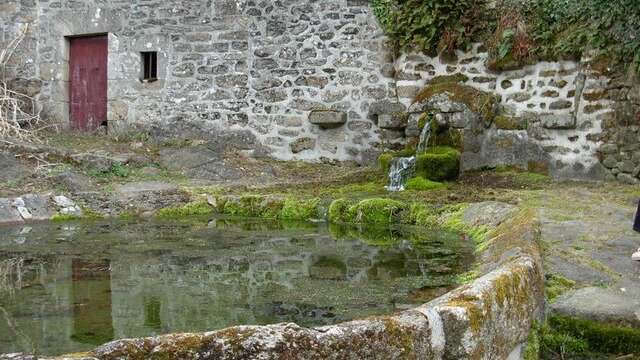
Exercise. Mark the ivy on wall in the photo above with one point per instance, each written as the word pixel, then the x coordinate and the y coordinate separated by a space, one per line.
pixel 517 32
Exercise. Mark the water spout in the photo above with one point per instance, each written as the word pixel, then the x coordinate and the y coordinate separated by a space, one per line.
pixel 423 142
pixel 402 169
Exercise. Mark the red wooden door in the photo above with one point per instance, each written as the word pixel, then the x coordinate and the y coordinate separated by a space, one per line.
pixel 88 85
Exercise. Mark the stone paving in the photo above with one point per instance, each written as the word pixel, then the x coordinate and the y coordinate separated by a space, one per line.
pixel 588 238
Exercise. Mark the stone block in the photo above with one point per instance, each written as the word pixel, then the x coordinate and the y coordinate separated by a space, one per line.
pixel 392 121
pixel 558 121
pixel 8 213
pixel 302 144
pixel 328 119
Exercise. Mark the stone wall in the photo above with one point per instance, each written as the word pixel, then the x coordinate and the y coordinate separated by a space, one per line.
pixel 250 71
pixel 317 80
pixel 550 118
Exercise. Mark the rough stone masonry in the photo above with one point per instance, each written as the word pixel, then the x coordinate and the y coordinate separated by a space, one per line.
pixel 312 80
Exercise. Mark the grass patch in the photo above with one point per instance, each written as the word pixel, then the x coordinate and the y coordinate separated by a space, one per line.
pixel 568 337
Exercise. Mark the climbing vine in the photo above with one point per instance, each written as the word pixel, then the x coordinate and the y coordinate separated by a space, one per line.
pixel 517 32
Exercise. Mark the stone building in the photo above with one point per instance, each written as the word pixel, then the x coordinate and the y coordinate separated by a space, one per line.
pixel 306 80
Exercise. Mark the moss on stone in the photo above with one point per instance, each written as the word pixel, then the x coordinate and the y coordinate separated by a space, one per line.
pixel 478 101
pixel 505 122
pixel 339 211
pixel 296 209
pixel 64 217
pixel 419 183
pixel 467 277
pixel 368 211
pixel 245 206
pixel 473 311
pixel 438 164
pixel 87 214
pixel 556 285
pixel 453 78
pixel 190 209
pixel 378 211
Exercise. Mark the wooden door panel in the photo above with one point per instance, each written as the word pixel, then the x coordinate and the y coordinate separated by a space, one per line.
pixel 88 82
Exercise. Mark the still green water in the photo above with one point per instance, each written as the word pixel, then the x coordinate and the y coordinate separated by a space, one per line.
pixel 70 287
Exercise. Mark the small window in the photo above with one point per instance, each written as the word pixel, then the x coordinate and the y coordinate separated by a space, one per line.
pixel 149 66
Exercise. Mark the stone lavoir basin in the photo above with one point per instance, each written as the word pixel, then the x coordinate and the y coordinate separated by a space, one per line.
pixel 70 287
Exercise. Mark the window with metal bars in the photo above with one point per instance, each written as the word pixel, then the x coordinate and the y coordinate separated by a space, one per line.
pixel 149 66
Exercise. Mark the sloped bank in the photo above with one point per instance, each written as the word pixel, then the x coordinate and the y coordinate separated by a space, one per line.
pixel 488 318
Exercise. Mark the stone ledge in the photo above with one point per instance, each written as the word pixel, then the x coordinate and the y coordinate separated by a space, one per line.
pixel 328 119
pixel 487 318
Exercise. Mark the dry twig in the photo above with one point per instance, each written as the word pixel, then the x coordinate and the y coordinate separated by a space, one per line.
pixel 18 115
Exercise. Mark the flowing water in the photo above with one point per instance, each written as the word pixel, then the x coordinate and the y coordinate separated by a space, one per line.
pixel 69 287
pixel 403 168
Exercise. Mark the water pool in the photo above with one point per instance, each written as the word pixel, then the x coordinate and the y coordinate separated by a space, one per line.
pixel 69 287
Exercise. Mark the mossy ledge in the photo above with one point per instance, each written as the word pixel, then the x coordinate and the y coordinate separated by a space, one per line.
pixel 488 317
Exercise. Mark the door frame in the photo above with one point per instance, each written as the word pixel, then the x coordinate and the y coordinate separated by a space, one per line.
pixel 68 40
pixel 61 89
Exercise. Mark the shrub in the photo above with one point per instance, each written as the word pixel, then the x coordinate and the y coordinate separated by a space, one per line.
pixel 438 164
pixel 421 184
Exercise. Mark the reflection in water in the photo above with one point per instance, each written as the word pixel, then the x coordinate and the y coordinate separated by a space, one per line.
pixel 152 313
pixel 84 284
pixel 91 296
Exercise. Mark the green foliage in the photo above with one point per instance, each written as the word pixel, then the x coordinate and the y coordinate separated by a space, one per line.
pixel 565 337
pixel 569 28
pixel 421 184
pixel 504 48
pixel 190 209
pixel 521 32
pixel 383 10
pixel 116 169
pixel 438 163
pixel 433 26
pixel 296 209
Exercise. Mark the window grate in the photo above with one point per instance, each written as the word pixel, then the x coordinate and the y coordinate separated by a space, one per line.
pixel 149 65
